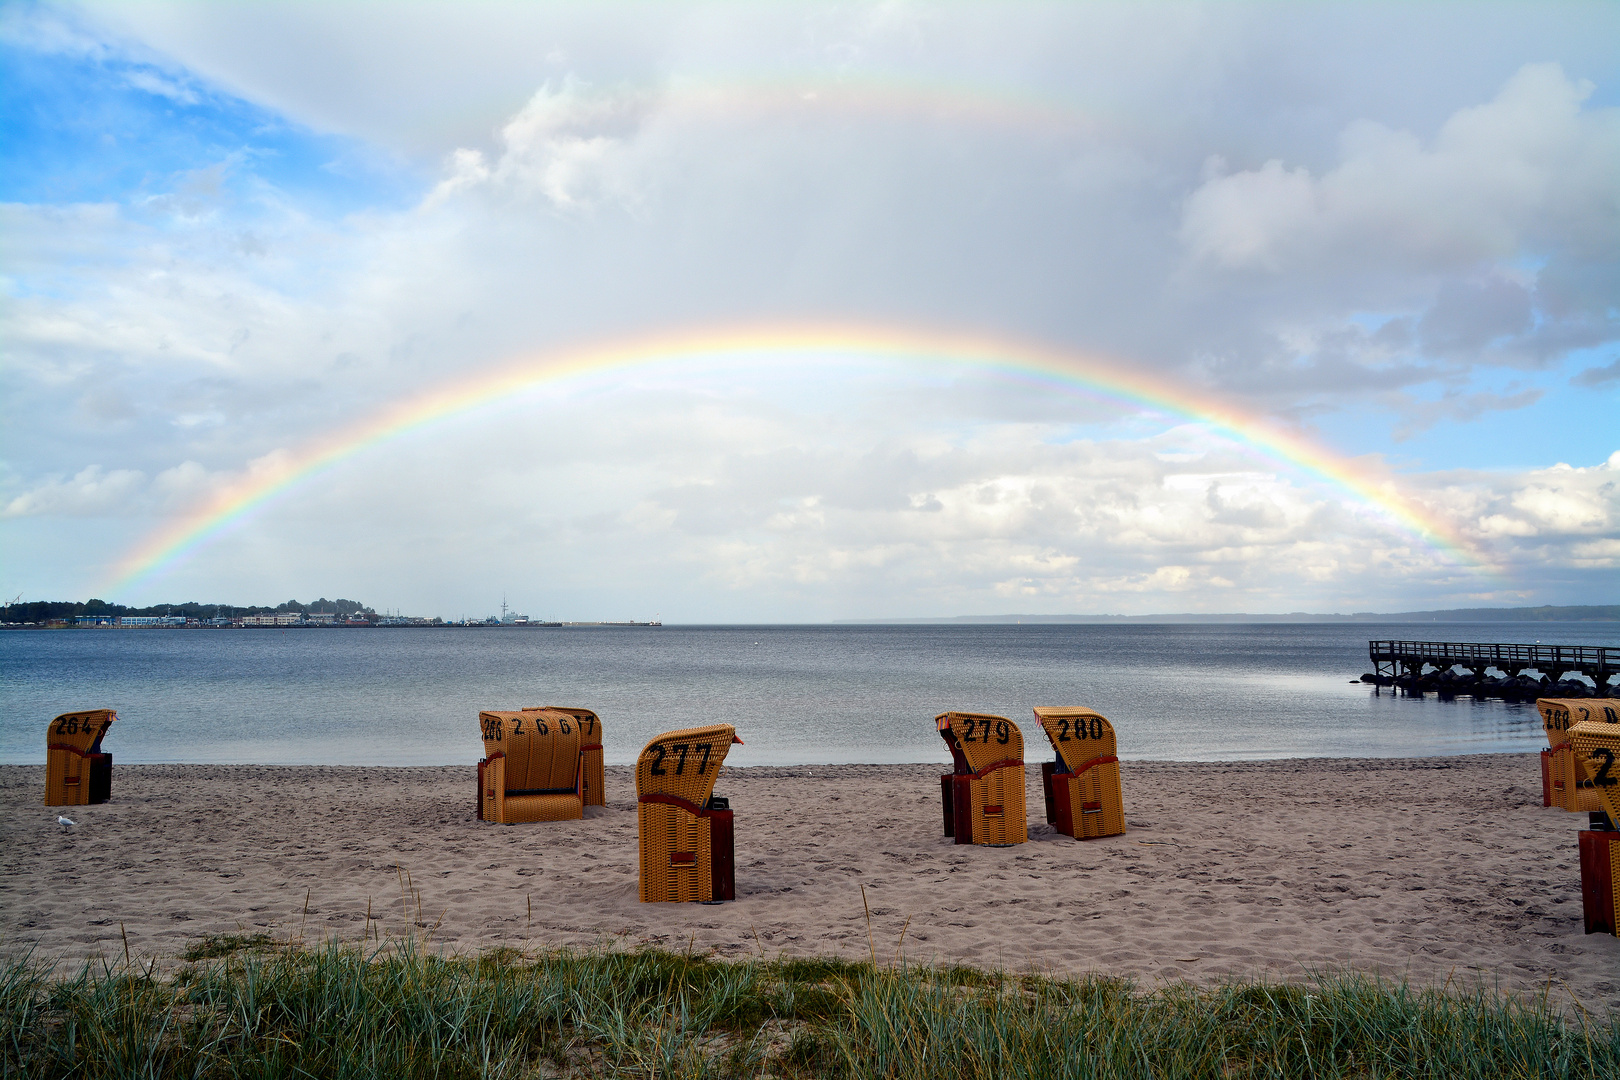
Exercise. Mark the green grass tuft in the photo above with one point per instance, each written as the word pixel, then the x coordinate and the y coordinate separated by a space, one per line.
pixel 241 1011
pixel 215 946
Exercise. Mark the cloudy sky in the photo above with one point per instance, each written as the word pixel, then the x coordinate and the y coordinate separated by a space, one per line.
pixel 811 312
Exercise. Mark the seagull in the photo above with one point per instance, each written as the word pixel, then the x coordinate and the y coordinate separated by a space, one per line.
pixel 65 821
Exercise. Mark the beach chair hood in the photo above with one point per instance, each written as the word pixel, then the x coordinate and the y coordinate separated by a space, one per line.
pixel 541 747
pixel 1078 735
pixel 980 741
pixel 683 765
pixel 1597 745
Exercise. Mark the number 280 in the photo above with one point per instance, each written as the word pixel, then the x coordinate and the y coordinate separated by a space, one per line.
pixel 1083 728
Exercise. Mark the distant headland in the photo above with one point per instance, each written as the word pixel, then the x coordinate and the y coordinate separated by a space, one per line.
pixel 191 614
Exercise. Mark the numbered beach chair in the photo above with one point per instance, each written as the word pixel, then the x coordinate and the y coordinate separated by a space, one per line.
pixel 686 833
pixel 590 754
pixel 531 769
pixel 77 773
pixel 1083 797
pixel 983 798
pixel 1596 743
pixel 1563 784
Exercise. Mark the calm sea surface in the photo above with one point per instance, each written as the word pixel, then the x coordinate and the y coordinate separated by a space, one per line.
pixel 797 694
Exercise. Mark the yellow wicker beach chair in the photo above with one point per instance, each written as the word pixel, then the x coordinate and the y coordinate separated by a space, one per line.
pixel 1596 744
pixel 1563 783
pixel 984 797
pixel 531 771
pixel 590 754
pixel 1084 799
pixel 77 773
pixel 686 833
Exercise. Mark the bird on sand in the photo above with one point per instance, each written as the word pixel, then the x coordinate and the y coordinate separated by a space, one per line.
pixel 65 821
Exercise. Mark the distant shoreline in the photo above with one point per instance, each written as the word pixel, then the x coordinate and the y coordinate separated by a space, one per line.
pixel 1581 613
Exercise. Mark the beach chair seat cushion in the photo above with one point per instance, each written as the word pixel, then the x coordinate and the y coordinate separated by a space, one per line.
pixel 547 807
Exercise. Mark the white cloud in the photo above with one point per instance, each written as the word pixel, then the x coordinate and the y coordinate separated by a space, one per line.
pixel 1528 169
pixel 118 493
pixel 92 491
pixel 566 143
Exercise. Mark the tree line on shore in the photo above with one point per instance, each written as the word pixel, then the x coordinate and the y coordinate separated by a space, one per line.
pixel 40 611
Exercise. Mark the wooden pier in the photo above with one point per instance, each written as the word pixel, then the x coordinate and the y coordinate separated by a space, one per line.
pixel 1523 671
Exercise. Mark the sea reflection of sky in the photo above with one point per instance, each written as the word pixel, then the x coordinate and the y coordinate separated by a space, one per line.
pixel 798 695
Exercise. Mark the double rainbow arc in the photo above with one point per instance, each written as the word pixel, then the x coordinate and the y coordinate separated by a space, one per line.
pixel 1071 372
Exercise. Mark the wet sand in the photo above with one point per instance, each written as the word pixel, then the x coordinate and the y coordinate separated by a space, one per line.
pixel 1436 869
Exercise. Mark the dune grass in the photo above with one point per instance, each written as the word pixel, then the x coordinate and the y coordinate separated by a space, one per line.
pixel 239 1009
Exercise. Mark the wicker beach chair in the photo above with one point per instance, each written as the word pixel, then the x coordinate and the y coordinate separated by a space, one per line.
pixel 1083 797
pixel 1596 744
pixel 984 796
pixel 531 769
pixel 686 833
pixel 1563 783
pixel 77 773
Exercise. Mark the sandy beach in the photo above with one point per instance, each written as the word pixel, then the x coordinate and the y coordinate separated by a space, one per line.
pixel 1435 869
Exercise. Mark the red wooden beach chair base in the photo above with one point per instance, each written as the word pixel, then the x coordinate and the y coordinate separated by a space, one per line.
pixel 722 851
pixel 1600 870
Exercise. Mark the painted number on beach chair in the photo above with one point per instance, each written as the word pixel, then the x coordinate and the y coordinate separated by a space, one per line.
pixel 660 752
pixel 1083 729
pixel 69 725
pixel 1604 778
pixel 1002 731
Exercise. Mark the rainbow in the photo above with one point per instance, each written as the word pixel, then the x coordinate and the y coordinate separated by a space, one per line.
pixel 777 346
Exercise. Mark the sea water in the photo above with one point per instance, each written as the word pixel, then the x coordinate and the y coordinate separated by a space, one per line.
pixel 801 695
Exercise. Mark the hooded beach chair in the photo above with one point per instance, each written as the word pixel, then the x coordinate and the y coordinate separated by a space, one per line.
pixel 984 796
pixel 590 754
pixel 1083 797
pixel 1563 783
pixel 77 773
pixel 1596 744
pixel 531 770
pixel 686 833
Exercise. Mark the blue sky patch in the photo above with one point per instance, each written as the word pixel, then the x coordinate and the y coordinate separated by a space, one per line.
pixel 83 128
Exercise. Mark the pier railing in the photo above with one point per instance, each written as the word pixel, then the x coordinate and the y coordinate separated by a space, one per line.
pixel 1597 661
